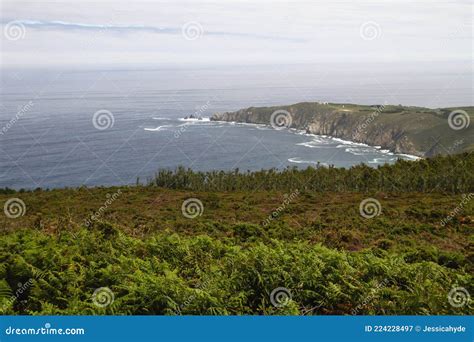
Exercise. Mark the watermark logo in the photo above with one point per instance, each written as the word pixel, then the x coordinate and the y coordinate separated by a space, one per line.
pixel 280 297
pixel 111 198
pixel 369 208
pixel 11 297
pixel 22 110
pixel 458 297
pixel 14 30
pixel 459 119
pixel 370 297
pixel 202 286
pixel 196 115
pixel 370 30
pixel 277 212
pixel 281 119
pixel 46 330
pixel 192 30
pixel 460 31
pixel 14 208
pixel 192 208
pixel 103 119
pixel 459 208
pixel 102 297
pixel 362 127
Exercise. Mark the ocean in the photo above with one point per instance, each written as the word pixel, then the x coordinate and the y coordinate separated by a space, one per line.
pixel 94 128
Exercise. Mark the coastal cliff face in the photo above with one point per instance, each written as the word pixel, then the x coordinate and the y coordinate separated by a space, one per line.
pixel 411 130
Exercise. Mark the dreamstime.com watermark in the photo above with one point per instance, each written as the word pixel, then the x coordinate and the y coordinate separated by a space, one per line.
pixel 98 214
pixel 196 115
pixel 202 286
pixel 97 35
pixel 281 119
pixel 458 119
pixel 370 297
pixel 192 208
pixel 14 208
pixel 280 297
pixel 370 30
pixel 369 208
pixel 456 211
pixel 103 119
pixel 103 297
pixel 12 297
pixel 458 297
pixel 277 212
pixel 14 30
pixel 192 30
pixel 362 127
pixel 455 145
pixel 461 30
pixel 19 114
pixel 46 330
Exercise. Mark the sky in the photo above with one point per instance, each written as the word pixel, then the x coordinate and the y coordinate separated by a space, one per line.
pixel 121 33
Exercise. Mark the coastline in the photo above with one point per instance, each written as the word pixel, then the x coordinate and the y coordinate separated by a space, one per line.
pixel 403 130
pixel 338 139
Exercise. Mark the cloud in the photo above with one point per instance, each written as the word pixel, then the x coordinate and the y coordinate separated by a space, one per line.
pixel 143 32
pixel 62 25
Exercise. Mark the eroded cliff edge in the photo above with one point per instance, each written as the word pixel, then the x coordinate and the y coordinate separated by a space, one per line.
pixel 410 130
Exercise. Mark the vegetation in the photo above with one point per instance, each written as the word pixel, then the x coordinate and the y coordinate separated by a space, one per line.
pixel 443 173
pixel 291 232
pixel 404 129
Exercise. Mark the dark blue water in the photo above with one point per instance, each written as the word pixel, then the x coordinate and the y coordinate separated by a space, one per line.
pixel 48 137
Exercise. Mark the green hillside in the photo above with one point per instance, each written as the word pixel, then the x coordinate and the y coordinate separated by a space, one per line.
pixel 361 248
pixel 411 130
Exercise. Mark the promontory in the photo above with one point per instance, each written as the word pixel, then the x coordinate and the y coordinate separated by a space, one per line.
pixel 411 130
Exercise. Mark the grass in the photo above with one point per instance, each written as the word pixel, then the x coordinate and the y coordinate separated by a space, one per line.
pixel 229 259
pixel 278 243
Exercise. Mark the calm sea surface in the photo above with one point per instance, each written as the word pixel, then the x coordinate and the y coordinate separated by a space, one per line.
pixel 49 136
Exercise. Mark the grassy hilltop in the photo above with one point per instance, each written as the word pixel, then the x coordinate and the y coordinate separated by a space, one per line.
pixel 411 130
pixel 307 233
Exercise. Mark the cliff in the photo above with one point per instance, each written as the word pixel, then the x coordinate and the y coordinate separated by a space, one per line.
pixel 411 130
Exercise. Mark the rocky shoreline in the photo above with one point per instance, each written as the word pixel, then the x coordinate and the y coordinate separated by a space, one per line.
pixel 403 130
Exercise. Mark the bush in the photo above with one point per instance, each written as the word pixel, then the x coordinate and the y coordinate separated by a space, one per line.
pixel 168 274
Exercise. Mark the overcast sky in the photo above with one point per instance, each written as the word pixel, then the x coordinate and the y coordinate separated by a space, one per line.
pixel 187 33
